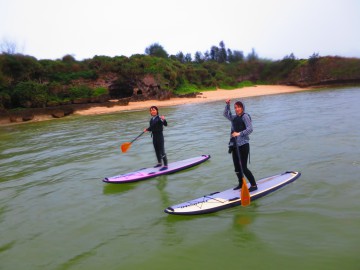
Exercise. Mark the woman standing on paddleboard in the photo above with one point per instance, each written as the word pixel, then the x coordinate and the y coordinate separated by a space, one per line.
pixel 156 127
pixel 241 128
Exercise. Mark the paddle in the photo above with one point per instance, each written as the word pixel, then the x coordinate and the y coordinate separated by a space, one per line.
pixel 244 192
pixel 125 146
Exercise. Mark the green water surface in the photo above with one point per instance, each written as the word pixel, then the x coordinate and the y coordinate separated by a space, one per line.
pixel 56 213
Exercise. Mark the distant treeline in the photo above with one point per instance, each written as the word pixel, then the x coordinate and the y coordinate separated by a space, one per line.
pixel 26 82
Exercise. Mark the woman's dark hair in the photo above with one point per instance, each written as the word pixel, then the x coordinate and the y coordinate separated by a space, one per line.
pixel 239 104
pixel 156 108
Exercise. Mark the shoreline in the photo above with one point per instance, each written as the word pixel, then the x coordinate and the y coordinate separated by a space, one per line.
pixel 206 96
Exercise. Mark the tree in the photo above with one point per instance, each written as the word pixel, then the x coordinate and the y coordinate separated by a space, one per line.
pixel 68 59
pixel 188 58
pixel 8 47
pixel 18 67
pixel 30 94
pixel 207 56
pixel 252 56
pixel 199 58
pixel 180 57
pixel 214 53
pixel 222 57
pixel 156 50
pixel 237 56
pixel 313 59
pixel 290 57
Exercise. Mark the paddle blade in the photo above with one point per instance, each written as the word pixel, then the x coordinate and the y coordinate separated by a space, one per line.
pixel 125 147
pixel 245 194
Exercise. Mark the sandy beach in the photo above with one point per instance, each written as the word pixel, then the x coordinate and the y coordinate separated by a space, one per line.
pixel 207 96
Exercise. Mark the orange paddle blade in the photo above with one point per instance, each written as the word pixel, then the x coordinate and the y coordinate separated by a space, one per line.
pixel 245 194
pixel 125 147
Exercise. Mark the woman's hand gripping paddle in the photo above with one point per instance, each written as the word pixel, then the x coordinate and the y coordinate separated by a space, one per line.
pixel 125 146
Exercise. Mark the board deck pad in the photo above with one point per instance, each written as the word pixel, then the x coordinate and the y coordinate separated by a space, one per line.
pixel 217 201
pixel 147 173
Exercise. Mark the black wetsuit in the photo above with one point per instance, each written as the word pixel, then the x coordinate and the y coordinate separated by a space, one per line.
pixel 156 128
pixel 243 125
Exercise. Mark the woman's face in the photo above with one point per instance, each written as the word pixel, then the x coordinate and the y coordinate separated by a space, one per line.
pixel 238 109
pixel 153 112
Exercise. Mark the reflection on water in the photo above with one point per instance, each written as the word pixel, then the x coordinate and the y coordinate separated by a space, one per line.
pixel 56 213
pixel 116 189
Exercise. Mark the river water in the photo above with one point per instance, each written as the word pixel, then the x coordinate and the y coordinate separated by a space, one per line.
pixel 56 213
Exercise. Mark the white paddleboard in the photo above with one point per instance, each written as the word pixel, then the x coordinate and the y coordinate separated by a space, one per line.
pixel 217 201
pixel 147 173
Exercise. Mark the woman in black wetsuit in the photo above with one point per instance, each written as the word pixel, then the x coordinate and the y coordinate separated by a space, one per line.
pixel 156 127
pixel 241 128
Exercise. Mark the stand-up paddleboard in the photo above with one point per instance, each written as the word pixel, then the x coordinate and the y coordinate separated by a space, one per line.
pixel 229 198
pixel 147 173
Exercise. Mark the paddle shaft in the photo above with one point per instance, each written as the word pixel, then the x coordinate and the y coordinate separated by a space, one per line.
pixel 137 137
pixel 239 157
pixel 244 193
pixel 237 147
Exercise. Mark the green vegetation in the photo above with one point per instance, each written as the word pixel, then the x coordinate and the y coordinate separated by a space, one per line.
pixel 26 82
pixel 99 92
pixel 186 88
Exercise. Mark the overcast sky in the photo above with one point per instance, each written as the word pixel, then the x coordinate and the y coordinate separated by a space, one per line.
pixel 50 29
